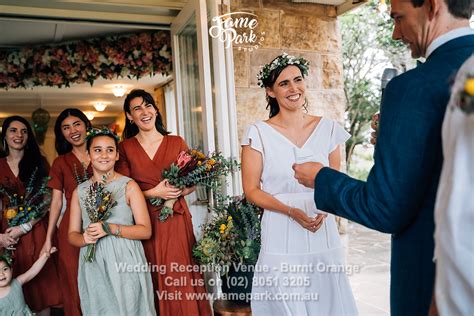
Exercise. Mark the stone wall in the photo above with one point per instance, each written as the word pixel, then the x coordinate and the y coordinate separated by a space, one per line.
pixel 308 30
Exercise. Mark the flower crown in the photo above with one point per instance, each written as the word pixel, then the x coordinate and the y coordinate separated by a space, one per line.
pixel 6 256
pixel 282 61
pixel 104 131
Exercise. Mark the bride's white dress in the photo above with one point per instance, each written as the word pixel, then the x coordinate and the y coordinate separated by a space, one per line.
pixel 298 272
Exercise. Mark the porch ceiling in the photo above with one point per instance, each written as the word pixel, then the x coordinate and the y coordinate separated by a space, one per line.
pixel 38 22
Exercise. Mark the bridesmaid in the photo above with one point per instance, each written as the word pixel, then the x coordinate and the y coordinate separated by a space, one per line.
pixel 20 158
pixel 68 169
pixel 104 288
pixel 148 147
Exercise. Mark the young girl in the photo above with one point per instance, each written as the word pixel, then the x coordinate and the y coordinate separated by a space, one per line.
pixel 70 132
pixel 104 288
pixel 21 157
pixel 12 301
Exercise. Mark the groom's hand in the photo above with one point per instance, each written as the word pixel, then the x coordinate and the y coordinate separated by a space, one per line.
pixel 306 172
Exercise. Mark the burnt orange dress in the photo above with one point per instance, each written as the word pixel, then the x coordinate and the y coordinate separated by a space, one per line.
pixel 43 291
pixel 172 240
pixel 63 175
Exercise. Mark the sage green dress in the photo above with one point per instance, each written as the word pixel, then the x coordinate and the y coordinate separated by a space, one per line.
pixel 14 303
pixel 118 281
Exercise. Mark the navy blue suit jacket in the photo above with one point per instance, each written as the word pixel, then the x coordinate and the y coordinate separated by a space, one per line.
pixel 400 191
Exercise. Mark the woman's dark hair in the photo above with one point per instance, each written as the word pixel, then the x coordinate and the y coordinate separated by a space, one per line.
pixel 102 133
pixel 272 103
pixel 32 158
pixel 131 129
pixel 61 144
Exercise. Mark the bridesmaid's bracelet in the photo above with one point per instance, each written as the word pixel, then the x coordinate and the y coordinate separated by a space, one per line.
pixel 118 231
pixel 26 227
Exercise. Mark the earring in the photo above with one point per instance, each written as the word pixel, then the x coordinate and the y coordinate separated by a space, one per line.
pixel 131 122
pixel 305 104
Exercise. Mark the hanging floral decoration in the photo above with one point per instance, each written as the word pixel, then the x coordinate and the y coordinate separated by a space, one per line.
pixel 132 56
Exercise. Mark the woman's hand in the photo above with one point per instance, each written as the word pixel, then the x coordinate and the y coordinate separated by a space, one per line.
pixel 311 224
pixel 6 240
pixel 96 231
pixel 47 254
pixel 375 126
pixel 15 232
pixel 187 191
pixel 88 239
pixel 46 246
pixel 166 191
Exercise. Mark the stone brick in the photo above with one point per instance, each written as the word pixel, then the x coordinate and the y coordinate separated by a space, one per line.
pixel 237 5
pixel 331 103
pixel 308 33
pixel 332 72
pixel 241 68
pixel 251 105
pixel 269 28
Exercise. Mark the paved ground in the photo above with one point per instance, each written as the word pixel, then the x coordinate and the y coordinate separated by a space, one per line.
pixel 369 252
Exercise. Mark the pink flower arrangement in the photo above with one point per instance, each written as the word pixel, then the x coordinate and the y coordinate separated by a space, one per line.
pixel 132 56
pixel 183 159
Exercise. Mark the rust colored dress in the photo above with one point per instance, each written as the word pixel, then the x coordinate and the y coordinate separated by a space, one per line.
pixel 63 175
pixel 43 291
pixel 172 240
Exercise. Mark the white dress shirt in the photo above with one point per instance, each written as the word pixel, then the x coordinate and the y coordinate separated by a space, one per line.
pixel 454 210
pixel 462 31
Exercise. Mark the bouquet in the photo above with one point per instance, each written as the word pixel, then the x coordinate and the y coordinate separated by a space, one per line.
pixel 98 203
pixel 34 204
pixel 192 168
pixel 231 236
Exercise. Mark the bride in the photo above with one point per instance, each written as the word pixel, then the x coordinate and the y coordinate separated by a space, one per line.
pixel 298 240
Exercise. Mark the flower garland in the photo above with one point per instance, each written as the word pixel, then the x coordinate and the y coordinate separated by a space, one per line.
pixel 132 56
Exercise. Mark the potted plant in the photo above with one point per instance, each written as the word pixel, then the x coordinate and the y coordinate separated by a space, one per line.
pixel 230 244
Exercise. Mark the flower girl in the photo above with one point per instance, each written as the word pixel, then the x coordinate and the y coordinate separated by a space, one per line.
pixel 108 218
pixel 12 301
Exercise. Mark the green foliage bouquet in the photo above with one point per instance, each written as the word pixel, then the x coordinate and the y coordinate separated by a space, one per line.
pixel 231 236
pixel 98 203
pixel 22 209
pixel 192 168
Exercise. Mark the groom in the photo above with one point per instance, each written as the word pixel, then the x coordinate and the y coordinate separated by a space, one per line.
pixel 399 194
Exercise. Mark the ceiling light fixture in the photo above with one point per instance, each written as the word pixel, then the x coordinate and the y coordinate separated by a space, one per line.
pixel 100 106
pixel 90 115
pixel 118 91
